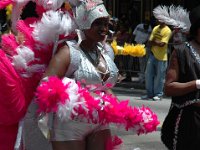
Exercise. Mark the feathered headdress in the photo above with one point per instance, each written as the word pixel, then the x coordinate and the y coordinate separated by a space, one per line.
pixel 172 15
pixel 86 11
pixel 24 59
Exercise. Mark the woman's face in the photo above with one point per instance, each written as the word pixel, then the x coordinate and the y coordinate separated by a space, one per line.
pixel 98 30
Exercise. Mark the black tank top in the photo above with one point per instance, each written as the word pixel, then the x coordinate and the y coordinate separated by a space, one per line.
pixel 189 69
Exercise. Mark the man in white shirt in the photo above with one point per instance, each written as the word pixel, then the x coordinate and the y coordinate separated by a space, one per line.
pixel 140 36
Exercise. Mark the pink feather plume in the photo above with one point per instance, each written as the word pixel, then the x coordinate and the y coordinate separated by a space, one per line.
pixel 50 94
pixel 4 3
pixel 9 44
pixel 113 143
pixel 102 109
pixel 12 106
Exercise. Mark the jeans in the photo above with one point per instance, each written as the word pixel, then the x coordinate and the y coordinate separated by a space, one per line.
pixel 155 76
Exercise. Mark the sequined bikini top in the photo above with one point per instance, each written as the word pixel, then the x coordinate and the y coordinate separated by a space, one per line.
pixel 83 71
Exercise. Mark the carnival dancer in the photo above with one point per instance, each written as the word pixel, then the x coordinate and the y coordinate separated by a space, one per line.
pixel 87 62
pixel 180 130
pixel 21 69
pixel 75 90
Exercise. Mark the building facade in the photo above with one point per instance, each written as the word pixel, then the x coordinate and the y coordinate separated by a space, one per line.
pixel 138 10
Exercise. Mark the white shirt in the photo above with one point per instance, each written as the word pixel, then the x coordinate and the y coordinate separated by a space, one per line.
pixel 141 35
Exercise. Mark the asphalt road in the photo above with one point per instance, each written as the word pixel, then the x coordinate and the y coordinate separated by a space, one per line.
pixel 150 141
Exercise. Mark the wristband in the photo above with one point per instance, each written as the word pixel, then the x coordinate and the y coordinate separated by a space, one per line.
pixel 198 84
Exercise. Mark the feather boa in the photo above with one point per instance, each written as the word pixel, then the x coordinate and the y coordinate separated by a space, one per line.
pixel 69 100
pixel 129 49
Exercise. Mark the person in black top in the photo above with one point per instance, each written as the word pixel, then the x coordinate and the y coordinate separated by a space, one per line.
pixel 181 127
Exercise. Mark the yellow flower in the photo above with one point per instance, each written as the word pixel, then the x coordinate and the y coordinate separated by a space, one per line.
pixel 114 46
pixel 129 49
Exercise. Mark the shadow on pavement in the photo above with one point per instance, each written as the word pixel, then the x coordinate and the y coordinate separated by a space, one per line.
pixel 129 89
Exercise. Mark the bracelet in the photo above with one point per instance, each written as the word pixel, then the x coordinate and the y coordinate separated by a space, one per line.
pixel 198 84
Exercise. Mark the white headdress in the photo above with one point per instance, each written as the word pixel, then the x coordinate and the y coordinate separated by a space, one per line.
pixel 172 15
pixel 87 11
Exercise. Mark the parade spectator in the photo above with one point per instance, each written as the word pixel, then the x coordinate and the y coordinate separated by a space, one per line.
pixel 113 28
pixel 123 36
pixel 181 128
pixel 140 36
pixel 157 61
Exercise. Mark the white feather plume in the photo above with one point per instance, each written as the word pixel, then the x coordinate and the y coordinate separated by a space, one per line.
pixel 24 56
pixel 176 16
pixel 66 111
pixel 180 17
pixel 53 23
pixel 161 13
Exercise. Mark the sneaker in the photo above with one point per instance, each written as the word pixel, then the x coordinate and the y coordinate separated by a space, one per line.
pixel 146 97
pixel 157 98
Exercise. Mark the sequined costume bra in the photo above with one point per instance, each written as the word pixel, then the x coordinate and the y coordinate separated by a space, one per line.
pixel 83 71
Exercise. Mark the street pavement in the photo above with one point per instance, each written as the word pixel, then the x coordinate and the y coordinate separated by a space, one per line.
pixel 131 141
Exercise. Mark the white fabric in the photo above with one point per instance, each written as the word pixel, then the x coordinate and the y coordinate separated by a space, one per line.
pixel 198 84
pixel 141 35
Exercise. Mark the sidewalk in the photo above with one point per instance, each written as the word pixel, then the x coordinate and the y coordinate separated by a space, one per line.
pixel 133 91
pixel 132 88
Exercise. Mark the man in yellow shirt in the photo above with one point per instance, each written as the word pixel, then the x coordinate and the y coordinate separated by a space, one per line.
pixel 157 62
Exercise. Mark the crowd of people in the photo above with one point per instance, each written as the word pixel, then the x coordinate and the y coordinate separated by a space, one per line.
pixel 88 59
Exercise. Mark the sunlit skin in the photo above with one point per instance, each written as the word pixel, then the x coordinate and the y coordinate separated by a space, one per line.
pixel 96 33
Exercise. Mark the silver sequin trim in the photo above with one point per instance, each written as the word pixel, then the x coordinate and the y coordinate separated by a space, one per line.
pixel 193 52
pixel 176 130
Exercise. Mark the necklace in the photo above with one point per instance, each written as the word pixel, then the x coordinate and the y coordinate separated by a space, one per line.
pixel 93 55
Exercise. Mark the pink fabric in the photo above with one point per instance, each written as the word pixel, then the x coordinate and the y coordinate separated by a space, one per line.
pixel 8 136
pixel 55 94
pixel 12 100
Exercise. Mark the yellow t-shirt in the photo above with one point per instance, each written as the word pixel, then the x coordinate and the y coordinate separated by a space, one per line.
pixel 163 35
